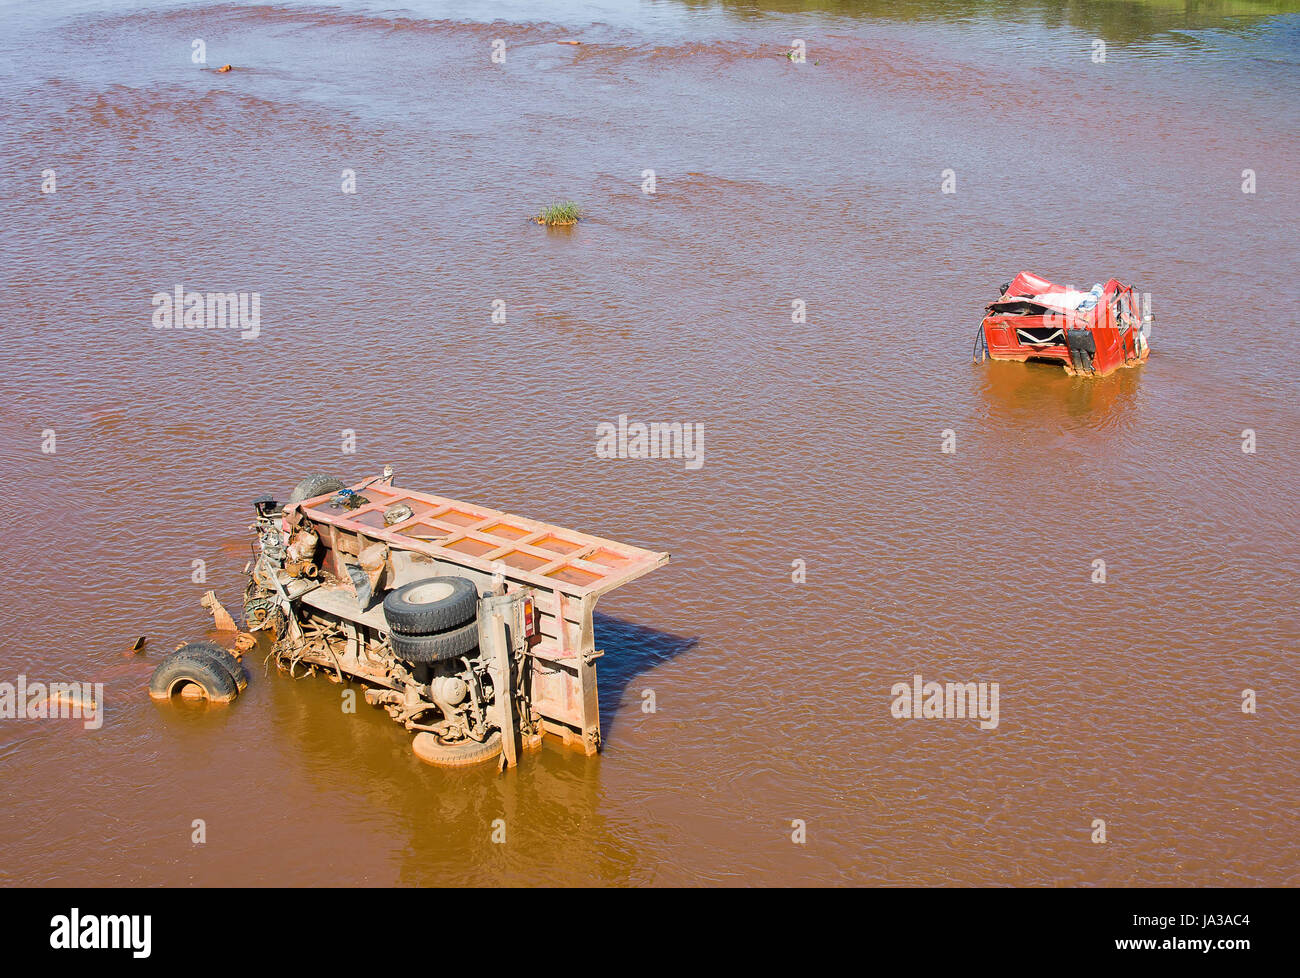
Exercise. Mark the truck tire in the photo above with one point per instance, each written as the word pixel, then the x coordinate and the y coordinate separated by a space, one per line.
pixel 181 668
pixel 435 604
pixel 429 749
pixel 313 486
pixel 436 648
pixel 223 657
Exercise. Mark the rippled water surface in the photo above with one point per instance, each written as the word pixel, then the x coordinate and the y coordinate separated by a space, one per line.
pixel 774 181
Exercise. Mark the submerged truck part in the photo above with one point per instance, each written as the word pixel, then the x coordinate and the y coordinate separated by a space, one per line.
pixel 1089 333
pixel 472 626
pixel 202 670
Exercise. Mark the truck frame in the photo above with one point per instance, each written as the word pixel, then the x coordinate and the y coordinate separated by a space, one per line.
pixel 334 564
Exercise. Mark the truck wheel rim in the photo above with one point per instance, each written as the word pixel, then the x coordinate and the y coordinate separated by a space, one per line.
pixel 429 593
pixel 187 689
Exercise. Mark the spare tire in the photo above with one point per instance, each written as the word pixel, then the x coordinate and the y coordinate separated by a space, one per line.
pixel 182 667
pixel 222 656
pixel 431 750
pixel 435 604
pixel 436 648
pixel 313 486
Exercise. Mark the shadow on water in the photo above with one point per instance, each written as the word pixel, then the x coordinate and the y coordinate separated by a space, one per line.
pixel 630 650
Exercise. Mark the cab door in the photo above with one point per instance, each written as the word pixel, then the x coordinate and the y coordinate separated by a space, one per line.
pixel 1126 322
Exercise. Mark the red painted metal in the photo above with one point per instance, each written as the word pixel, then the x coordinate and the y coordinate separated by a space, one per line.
pixel 1033 320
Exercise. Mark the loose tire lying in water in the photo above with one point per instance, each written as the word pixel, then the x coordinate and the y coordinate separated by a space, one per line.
pixel 223 656
pixel 428 748
pixel 194 668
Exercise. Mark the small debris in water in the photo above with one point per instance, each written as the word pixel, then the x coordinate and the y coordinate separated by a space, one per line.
pixel 136 647
pixel 221 619
pixel 73 699
pixel 224 68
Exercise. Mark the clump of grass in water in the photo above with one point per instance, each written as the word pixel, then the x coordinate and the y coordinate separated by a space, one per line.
pixel 559 214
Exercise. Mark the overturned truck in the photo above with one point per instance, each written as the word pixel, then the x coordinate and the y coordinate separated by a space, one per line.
pixel 1090 334
pixel 471 627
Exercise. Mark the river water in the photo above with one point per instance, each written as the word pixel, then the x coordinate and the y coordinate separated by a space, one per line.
pixel 774 181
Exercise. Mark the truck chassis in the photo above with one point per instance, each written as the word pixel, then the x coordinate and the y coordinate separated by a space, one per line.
pixel 336 563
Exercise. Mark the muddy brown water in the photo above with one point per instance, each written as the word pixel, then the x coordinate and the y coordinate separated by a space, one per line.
pixel 774 182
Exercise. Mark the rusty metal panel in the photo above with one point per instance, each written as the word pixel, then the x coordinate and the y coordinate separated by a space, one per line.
pixel 539 554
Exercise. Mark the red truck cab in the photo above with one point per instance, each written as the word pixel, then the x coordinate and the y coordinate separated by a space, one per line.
pixel 1090 333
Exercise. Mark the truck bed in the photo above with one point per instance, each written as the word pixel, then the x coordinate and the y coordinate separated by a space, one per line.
pixel 567 571
pixel 540 554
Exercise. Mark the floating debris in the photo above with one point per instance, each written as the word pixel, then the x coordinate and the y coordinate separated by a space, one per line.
pixel 73 697
pixel 198 670
pixel 221 618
